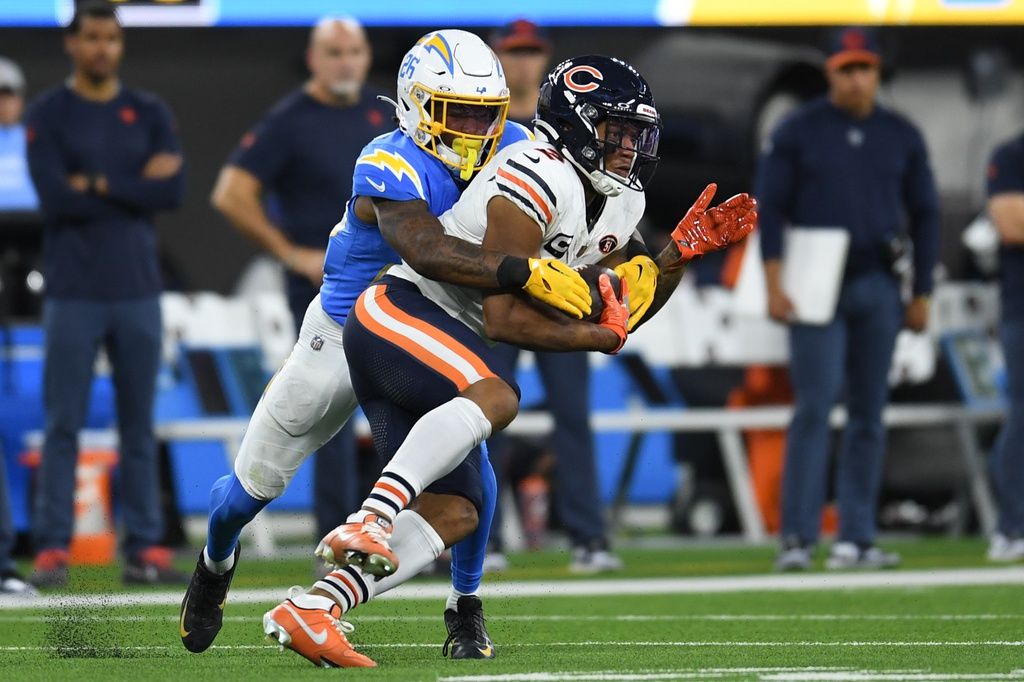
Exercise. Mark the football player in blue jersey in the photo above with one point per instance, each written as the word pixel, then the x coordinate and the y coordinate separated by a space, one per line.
pixel 451 108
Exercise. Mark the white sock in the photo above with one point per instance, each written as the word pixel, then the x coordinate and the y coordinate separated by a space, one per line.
pixel 415 543
pixel 218 567
pixel 312 601
pixel 436 444
pixel 453 599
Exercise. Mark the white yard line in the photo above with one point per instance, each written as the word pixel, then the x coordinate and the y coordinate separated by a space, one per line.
pixel 764 674
pixel 619 618
pixel 569 588
pixel 695 644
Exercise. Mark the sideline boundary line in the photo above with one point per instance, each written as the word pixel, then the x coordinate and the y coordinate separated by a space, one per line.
pixel 686 644
pixel 586 588
pixel 568 618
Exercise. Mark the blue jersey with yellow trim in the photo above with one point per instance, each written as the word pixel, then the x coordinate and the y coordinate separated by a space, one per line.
pixel 390 167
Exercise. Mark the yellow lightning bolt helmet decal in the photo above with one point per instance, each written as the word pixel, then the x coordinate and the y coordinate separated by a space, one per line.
pixel 435 42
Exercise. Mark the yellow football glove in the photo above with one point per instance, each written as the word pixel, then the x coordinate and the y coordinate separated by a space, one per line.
pixel 555 283
pixel 642 275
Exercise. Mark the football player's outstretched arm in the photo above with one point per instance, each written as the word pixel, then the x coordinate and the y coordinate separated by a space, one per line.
pixel 702 230
pixel 510 318
pixel 419 238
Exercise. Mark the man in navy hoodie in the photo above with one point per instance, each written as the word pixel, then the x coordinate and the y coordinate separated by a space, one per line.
pixel 104 158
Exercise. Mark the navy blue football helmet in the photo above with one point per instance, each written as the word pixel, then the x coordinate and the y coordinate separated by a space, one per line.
pixel 581 93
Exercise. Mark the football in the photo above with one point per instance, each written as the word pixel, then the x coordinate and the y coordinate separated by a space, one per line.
pixel 590 274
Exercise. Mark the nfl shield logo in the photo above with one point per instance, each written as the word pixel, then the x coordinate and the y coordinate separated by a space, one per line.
pixel 316 343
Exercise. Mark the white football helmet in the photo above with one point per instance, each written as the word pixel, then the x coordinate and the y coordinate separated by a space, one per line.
pixel 448 75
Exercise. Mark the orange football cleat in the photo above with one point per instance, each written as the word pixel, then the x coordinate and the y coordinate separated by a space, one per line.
pixel 317 635
pixel 362 544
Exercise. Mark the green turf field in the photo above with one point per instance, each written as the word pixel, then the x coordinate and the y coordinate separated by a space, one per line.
pixel 933 633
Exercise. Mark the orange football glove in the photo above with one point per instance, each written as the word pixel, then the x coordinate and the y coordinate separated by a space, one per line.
pixel 615 315
pixel 703 230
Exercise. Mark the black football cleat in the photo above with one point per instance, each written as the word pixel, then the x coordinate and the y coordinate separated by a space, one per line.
pixel 467 632
pixel 202 609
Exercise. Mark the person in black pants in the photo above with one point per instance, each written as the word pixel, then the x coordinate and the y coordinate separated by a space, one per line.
pixel 524 50
pixel 104 158
pixel 1006 208
pixel 302 153
pixel 845 161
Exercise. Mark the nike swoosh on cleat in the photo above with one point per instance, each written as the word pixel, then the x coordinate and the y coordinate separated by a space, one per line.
pixel 486 651
pixel 378 186
pixel 537 160
pixel 318 637
pixel 181 624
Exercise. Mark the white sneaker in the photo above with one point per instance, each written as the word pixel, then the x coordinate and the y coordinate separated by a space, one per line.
pixel 848 556
pixel 793 559
pixel 13 585
pixel 495 562
pixel 587 561
pixel 1003 549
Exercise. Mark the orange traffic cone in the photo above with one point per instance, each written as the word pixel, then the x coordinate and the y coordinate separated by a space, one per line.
pixel 93 541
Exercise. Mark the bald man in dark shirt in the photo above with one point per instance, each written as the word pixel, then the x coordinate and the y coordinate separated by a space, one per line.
pixel 302 154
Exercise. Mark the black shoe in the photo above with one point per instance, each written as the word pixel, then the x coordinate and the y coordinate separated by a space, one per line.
pixel 202 609
pixel 467 633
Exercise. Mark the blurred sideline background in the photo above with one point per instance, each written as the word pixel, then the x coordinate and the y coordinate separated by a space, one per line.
pixel 723 74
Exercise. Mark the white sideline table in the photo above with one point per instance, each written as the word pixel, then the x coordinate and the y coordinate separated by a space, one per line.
pixel 728 424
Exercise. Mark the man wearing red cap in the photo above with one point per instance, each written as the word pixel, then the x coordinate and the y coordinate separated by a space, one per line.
pixel 845 161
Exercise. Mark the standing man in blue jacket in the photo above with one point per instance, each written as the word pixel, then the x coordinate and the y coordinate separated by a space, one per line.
pixel 846 161
pixel 1006 208
pixel 104 158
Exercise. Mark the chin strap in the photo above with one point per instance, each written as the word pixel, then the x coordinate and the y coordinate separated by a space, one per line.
pixel 602 182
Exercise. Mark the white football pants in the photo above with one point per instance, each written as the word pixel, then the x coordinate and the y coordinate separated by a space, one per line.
pixel 304 406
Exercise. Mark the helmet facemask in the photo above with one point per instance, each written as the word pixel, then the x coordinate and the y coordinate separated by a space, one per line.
pixel 638 136
pixel 467 152
pixel 585 147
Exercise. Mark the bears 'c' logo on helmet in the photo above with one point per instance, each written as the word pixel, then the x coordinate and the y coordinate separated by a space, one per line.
pixel 583 78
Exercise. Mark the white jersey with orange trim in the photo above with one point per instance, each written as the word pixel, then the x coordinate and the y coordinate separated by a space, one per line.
pixel 534 176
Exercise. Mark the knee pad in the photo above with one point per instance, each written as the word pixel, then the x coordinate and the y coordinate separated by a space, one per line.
pixel 295 405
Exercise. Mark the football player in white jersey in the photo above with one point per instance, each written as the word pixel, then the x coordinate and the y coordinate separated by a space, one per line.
pixel 418 352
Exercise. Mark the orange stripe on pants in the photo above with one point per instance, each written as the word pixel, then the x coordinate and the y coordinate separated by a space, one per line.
pixel 422 354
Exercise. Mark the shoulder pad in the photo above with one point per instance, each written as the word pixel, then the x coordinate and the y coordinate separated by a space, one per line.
pixel 534 176
pixel 389 174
